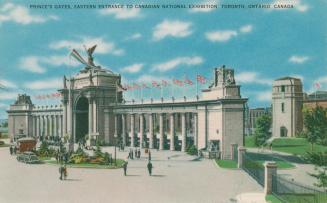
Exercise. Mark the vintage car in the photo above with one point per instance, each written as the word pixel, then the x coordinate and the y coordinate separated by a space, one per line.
pixel 28 157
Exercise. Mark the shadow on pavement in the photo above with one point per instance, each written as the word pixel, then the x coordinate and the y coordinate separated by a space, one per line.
pixel 159 176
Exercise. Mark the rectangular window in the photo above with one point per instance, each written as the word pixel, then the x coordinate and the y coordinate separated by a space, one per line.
pixel 283 108
pixel 283 88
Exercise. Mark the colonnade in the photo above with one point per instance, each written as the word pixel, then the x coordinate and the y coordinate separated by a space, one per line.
pixel 47 125
pixel 143 130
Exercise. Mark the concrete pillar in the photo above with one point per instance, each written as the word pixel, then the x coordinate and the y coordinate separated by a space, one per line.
pixel 60 126
pixel 132 134
pixel 151 131
pixel 141 130
pixel 172 132
pixel 161 131
pixel 46 125
pixel 41 126
pixel 183 132
pixel 37 126
pixel 232 152
pixel 270 173
pixel 51 125
pixel 195 129
pixel 241 152
pixel 95 115
pixel 116 126
pixel 64 123
pixel 90 120
pixel 123 118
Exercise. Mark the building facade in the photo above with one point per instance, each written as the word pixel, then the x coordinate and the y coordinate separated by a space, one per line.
pixel 93 108
pixel 251 118
pixel 287 102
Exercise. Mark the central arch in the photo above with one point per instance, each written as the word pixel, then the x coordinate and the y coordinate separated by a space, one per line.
pixel 82 112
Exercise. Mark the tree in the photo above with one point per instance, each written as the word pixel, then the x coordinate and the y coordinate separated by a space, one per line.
pixel 262 130
pixel 319 159
pixel 315 122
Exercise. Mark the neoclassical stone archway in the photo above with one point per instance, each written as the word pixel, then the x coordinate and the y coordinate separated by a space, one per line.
pixel 81 115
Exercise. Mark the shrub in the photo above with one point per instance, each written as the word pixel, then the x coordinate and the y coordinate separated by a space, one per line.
pixel 192 150
pixel 2 142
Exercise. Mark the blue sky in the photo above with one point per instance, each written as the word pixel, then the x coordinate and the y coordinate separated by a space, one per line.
pixel 155 44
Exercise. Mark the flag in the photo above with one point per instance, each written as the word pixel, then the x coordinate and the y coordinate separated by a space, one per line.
pixel 201 79
pixel 136 86
pixel 164 83
pixel 78 57
pixel 129 87
pixel 178 82
pixel 145 86
pixel 155 84
pixel 188 81
pixel 317 85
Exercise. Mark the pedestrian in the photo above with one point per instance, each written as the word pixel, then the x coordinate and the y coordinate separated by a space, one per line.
pixel 150 168
pixel 15 149
pixel 149 155
pixel 139 153
pixel 61 172
pixel 125 167
pixel 11 150
pixel 65 172
pixel 135 153
pixel 131 152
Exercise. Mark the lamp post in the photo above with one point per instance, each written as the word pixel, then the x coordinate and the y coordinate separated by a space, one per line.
pixel 115 150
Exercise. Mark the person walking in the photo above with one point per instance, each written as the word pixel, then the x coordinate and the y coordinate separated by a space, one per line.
pixel 135 153
pixel 149 155
pixel 65 172
pixel 125 167
pixel 61 172
pixel 139 153
pixel 11 150
pixel 150 168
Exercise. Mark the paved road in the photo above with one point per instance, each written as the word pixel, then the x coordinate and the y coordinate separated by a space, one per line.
pixel 177 179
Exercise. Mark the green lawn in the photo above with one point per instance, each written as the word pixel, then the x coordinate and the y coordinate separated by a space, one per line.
pixel 4 145
pixel 249 142
pixel 261 158
pixel 226 163
pixel 89 165
pixel 272 199
pixel 295 146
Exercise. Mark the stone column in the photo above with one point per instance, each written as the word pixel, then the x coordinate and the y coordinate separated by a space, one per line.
pixel 51 125
pixel 172 132
pixel 46 125
pixel 60 126
pixel 123 117
pixel 90 119
pixel 195 129
pixel 241 152
pixel 161 131
pixel 132 130
pixel 151 130
pixel 116 126
pixel 183 132
pixel 270 174
pixel 55 126
pixel 37 126
pixel 41 126
pixel 95 112
pixel 64 124
pixel 232 152
pixel 141 130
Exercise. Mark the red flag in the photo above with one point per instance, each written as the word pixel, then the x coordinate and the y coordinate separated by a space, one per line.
pixel 129 87
pixel 317 85
pixel 155 84
pixel 54 95
pixel 136 86
pixel 178 82
pixel 145 86
pixel 164 83
pixel 188 81
pixel 201 79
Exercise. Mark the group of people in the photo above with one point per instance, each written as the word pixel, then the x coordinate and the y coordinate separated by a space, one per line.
pixel 13 150
pixel 62 157
pixel 135 154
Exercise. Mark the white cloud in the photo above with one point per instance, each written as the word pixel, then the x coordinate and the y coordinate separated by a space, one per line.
pixel 298 5
pixel 7 83
pixel 122 13
pixel 172 28
pixel 264 96
pixel 252 77
pixel 8 95
pixel 149 78
pixel 133 68
pixel 36 64
pixel 31 64
pixel 3 106
pixel 171 64
pixel 208 6
pixel 134 36
pixel 103 46
pixel 246 29
pixel 10 12
pixel 50 83
pixel 298 59
pixel 220 36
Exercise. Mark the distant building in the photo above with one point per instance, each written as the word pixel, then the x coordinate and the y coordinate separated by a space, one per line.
pixel 318 98
pixel 252 116
pixel 287 101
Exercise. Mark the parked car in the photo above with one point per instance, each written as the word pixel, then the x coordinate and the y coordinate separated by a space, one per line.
pixel 28 158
